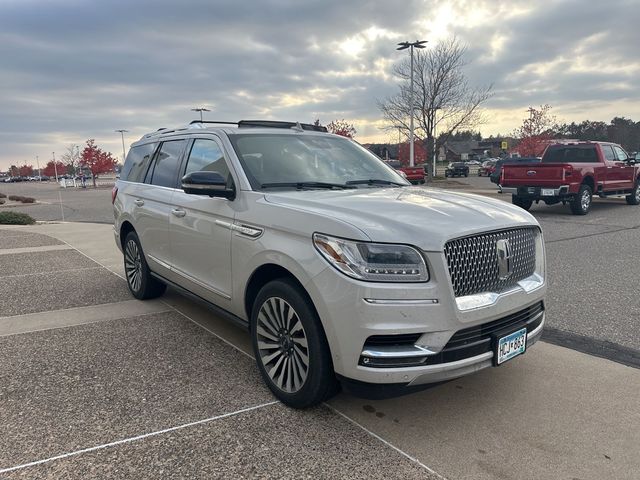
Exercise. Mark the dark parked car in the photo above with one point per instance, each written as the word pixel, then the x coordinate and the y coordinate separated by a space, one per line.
pixel 457 169
pixel 495 175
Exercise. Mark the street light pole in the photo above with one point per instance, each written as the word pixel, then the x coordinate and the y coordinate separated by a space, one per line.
pixel 122 132
pixel 39 173
pixel 200 109
pixel 411 46
pixel 55 167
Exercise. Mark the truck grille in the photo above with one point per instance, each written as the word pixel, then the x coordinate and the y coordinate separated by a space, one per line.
pixel 473 261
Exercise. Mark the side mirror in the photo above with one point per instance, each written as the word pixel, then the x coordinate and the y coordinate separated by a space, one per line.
pixel 207 183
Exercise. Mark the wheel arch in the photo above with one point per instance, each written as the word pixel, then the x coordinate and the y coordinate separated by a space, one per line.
pixel 125 228
pixel 588 180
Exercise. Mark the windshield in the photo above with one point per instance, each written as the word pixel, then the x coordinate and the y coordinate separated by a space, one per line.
pixel 309 161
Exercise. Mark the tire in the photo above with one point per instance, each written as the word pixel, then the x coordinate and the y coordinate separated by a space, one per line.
pixel 521 202
pixel 466 175
pixel 279 345
pixel 141 284
pixel 581 204
pixel 634 197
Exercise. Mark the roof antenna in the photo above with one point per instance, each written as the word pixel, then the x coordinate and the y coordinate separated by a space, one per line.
pixel 297 127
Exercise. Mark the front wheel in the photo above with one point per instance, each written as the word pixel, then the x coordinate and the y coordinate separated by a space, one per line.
pixel 581 204
pixel 290 346
pixel 521 202
pixel 634 197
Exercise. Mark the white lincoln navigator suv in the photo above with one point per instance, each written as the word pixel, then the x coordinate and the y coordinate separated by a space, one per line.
pixel 340 269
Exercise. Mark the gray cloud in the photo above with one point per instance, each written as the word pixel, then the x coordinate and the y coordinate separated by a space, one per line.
pixel 73 70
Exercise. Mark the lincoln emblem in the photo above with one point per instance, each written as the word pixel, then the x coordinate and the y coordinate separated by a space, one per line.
pixel 505 261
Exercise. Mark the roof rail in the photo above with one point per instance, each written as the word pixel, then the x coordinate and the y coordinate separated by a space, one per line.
pixel 242 124
pixel 277 124
pixel 212 121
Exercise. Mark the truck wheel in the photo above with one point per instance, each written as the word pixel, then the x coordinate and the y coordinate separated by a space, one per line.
pixel 521 202
pixel 634 198
pixel 290 346
pixel 581 204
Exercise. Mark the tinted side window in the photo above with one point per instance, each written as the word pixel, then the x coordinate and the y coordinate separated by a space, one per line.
pixel 568 154
pixel 607 151
pixel 137 162
pixel 206 155
pixel 165 170
pixel 621 153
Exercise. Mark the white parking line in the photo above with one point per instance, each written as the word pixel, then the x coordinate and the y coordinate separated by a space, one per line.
pixel 49 272
pixel 388 444
pixel 134 439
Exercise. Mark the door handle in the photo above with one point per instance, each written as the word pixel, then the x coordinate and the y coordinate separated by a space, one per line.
pixel 139 202
pixel 178 212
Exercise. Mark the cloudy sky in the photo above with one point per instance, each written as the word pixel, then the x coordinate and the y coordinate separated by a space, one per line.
pixel 77 69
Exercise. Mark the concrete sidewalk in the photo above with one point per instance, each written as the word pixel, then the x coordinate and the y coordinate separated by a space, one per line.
pixel 554 413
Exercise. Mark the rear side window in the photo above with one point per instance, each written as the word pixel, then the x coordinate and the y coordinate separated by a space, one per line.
pixel 165 170
pixel 570 154
pixel 137 162
pixel 608 152
pixel 206 155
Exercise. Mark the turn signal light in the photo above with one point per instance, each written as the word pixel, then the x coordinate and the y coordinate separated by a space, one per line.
pixel 114 193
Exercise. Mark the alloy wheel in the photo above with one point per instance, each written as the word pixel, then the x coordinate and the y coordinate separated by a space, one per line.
pixel 585 201
pixel 133 265
pixel 282 345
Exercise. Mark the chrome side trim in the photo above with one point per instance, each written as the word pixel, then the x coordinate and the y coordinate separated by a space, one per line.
pixel 200 284
pixel 159 262
pixel 247 230
pixel 380 301
pixel 223 224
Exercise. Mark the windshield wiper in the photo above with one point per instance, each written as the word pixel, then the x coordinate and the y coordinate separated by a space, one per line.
pixel 375 181
pixel 301 185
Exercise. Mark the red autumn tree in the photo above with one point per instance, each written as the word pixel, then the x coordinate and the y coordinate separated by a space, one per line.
pixel 342 127
pixel 25 171
pixel 535 132
pixel 50 169
pixel 96 160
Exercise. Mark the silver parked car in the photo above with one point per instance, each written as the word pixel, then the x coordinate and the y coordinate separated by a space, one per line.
pixel 340 269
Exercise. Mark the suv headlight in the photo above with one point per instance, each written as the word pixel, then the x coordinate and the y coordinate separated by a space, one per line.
pixel 373 262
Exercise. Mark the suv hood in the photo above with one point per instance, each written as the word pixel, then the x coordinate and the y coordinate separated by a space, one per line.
pixel 424 217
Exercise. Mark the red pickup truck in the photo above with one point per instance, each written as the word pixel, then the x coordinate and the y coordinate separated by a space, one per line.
pixel 413 174
pixel 572 173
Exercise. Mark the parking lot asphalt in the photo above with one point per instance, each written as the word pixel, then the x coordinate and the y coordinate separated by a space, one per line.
pixel 119 388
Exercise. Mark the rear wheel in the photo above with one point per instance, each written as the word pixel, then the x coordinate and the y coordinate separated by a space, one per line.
pixel 141 284
pixel 521 202
pixel 581 204
pixel 634 197
pixel 290 346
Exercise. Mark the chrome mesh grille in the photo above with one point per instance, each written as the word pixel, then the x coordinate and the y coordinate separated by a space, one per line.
pixel 473 261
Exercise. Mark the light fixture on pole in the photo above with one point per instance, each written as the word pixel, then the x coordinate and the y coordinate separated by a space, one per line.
pixel 201 109
pixel 411 46
pixel 122 132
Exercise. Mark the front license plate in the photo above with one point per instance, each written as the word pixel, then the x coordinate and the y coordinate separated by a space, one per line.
pixel 547 192
pixel 511 345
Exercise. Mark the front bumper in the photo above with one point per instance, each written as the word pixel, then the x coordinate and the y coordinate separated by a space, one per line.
pixel 352 312
pixel 536 192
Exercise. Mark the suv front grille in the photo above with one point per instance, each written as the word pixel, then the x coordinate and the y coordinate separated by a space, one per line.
pixel 473 261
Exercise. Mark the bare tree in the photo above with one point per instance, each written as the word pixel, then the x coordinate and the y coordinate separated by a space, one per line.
pixel 71 158
pixel 443 98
